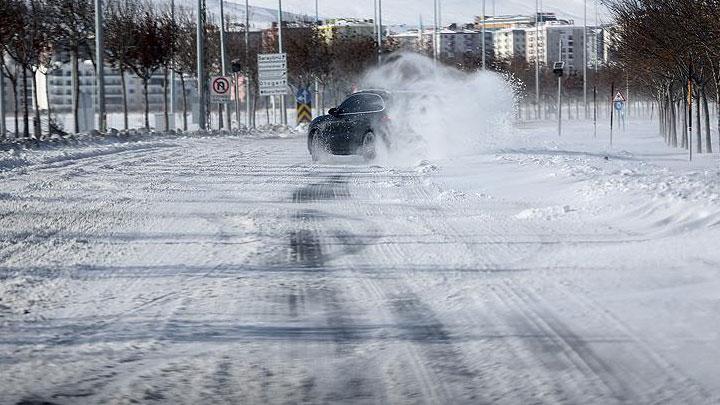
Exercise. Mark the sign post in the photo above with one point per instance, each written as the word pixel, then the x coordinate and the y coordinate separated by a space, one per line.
pixel 272 74
pixel 220 93
pixel 304 106
pixel 619 105
pixel 559 69
pixel 220 89
pixel 689 113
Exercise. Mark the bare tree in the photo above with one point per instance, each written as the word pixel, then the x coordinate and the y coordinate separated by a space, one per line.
pixel 184 55
pixel 120 20
pixel 71 28
pixel 149 50
pixel 30 48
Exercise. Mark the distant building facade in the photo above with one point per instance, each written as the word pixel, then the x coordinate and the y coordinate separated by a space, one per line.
pixel 60 94
pixel 451 42
pixel 510 43
pixel 348 28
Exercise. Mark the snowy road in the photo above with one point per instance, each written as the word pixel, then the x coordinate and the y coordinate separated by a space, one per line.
pixel 225 270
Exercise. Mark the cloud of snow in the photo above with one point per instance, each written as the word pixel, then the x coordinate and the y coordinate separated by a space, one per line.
pixel 440 112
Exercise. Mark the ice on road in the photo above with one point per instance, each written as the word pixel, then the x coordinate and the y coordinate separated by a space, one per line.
pixel 231 270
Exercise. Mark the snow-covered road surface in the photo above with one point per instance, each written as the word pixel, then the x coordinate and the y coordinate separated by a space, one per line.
pixel 229 270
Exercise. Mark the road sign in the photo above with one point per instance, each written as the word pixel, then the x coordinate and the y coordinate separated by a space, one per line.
pixel 304 96
pixel 619 97
pixel 272 74
pixel 304 106
pixel 220 89
pixel 619 105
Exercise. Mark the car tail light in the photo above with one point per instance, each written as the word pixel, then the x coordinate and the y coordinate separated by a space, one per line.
pixel 385 118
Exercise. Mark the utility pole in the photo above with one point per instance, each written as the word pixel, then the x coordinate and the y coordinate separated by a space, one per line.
pixel 100 66
pixel 3 128
pixel 559 93
pixel 435 31
pixel 627 95
pixel 223 63
pixel 537 59
pixel 483 34
pixel 250 122
pixel 172 71
pixel 585 104
pixel 595 76
pixel 380 32
pixel 318 110
pixel 283 111
pixel 612 111
pixel 375 19
pixel 689 112
pixel 200 42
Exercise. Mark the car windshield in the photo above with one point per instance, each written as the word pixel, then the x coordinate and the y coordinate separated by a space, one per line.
pixel 362 103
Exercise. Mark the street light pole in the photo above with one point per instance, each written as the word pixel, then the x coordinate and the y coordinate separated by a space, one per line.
pixel 318 110
pixel 559 94
pixel 435 30
pixel 200 41
pixel 3 128
pixel 537 59
pixel 283 111
pixel 585 103
pixel 247 67
pixel 100 66
pixel 172 71
pixel 223 62
pixel 380 32
pixel 483 34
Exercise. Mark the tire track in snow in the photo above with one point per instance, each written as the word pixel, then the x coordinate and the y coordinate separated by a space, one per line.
pixel 427 348
pixel 664 384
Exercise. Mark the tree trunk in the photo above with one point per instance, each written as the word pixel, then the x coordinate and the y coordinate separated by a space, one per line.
pixel 662 123
pixel 184 97
pixel 36 127
pixel 706 111
pixel 15 108
pixel 165 101
pixel 123 84
pixel 673 126
pixel 49 105
pixel 25 106
pixel 147 102
pixel 717 108
pixel 698 125
pixel 75 91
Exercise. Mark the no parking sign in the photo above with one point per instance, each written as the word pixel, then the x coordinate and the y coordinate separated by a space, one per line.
pixel 220 89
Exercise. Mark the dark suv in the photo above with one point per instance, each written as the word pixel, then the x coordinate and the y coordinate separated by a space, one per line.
pixel 353 128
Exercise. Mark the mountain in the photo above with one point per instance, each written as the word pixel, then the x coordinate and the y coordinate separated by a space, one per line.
pixel 409 11
pixel 235 10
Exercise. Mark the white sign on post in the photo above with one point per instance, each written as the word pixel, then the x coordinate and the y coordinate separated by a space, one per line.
pixel 220 89
pixel 272 74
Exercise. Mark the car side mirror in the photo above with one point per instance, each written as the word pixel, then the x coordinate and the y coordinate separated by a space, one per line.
pixel 334 112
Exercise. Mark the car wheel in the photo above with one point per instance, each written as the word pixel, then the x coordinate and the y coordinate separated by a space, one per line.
pixel 316 147
pixel 368 146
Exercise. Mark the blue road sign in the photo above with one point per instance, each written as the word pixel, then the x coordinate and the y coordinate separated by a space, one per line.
pixel 619 105
pixel 304 96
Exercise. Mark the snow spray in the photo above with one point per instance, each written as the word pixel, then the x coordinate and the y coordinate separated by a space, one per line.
pixel 438 111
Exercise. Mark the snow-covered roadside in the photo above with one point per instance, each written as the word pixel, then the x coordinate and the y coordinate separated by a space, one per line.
pixel 15 153
pixel 639 174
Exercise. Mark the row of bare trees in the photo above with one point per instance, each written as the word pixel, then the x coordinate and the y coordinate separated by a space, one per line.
pixel 149 39
pixel 672 48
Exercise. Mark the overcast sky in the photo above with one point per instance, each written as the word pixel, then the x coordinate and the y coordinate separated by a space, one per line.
pixel 409 11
